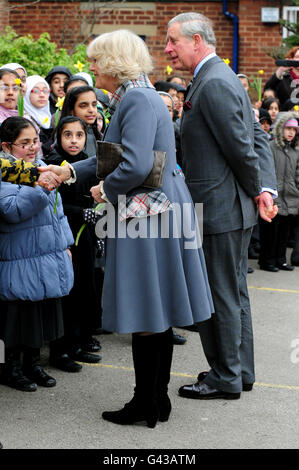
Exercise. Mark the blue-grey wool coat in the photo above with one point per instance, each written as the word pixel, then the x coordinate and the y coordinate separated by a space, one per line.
pixel 34 264
pixel 150 284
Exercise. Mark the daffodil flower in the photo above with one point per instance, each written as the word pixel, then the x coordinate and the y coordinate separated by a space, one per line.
pixel 45 121
pixel 79 66
pixel 20 103
pixel 60 102
pixel 296 107
pixel 257 83
pixel 104 91
pixel 226 61
pixel 168 70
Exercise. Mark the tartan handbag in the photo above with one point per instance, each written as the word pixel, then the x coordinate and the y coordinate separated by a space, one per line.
pixel 109 156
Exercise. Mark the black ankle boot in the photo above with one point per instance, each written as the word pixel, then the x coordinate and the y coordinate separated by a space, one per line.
pixel 33 369
pixel 13 375
pixel 166 351
pixel 144 406
pixel 134 412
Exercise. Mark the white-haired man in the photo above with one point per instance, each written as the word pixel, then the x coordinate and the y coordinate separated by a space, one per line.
pixel 222 171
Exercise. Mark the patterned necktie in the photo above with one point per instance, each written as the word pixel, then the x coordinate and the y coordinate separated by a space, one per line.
pixel 188 87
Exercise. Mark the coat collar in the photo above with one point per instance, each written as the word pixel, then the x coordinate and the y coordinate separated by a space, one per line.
pixel 201 74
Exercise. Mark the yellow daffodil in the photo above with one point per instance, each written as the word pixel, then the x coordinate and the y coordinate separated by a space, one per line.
pixel 79 66
pixel 104 91
pixel 226 61
pixel 296 107
pixel 45 120
pixel 168 70
pixel 18 81
pixel 107 121
pixel 257 83
pixel 60 102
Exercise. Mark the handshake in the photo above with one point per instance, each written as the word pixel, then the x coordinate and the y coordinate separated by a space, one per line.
pixel 52 176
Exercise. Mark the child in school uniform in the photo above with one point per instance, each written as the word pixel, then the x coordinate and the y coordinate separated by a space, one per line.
pixel 274 236
pixel 35 264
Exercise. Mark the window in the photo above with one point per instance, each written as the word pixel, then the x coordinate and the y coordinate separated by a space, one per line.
pixel 291 14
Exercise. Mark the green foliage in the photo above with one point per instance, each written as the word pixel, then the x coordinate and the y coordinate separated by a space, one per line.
pixel 38 56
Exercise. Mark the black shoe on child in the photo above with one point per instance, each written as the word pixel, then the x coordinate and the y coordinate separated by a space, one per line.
pixel 91 345
pixel 285 267
pixel 269 267
pixel 65 363
pixel 40 377
pixel 178 339
pixel 13 375
pixel 83 356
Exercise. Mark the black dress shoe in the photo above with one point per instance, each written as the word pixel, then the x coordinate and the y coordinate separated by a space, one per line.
pixel 65 363
pixel 269 267
pixel 178 339
pixel 83 356
pixel 92 345
pixel 245 387
pixel 40 377
pixel 1 445
pixel 285 267
pixel 250 270
pixel 19 381
pixel 202 391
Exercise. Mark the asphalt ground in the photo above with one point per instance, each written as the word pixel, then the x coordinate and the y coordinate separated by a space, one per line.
pixel 68 416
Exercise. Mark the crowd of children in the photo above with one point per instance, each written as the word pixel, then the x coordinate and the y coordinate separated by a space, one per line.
pixel 279 118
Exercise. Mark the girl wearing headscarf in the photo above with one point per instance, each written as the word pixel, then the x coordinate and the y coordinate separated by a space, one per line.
pixel 9 93
pixel 36 104
pixel 21 71
pixel 77 343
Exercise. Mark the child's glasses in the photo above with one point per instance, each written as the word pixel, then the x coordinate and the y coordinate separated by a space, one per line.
pixel 36 91
pixel 24 146
pixel 6 87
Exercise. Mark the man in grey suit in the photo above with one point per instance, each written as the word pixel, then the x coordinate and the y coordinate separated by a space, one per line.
pixel 222 170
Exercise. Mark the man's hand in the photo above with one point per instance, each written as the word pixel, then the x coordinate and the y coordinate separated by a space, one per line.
pixel 266 207
pixel 97 193
pixel 49 180
pixel 63 172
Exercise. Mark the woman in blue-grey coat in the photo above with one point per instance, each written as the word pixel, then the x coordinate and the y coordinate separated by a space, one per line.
pixel 35 264
pixel 153 279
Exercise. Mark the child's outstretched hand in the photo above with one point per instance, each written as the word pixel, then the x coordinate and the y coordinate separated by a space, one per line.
pixel 63 172
pixel 49 180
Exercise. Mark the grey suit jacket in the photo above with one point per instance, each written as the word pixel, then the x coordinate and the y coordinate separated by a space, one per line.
pixel 217 137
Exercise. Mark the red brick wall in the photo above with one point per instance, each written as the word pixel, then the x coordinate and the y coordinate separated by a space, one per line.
pixel 62 20
pixel 255 36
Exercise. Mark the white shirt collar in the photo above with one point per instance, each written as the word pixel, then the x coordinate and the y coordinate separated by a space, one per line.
pixel 198 67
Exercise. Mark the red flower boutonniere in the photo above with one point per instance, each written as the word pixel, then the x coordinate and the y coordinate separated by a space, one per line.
pixel 187 105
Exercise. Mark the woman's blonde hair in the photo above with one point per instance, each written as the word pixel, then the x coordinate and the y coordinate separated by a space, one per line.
pixel 121 54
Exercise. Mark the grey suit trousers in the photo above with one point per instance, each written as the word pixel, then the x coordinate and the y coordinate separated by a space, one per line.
pixel 227 338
